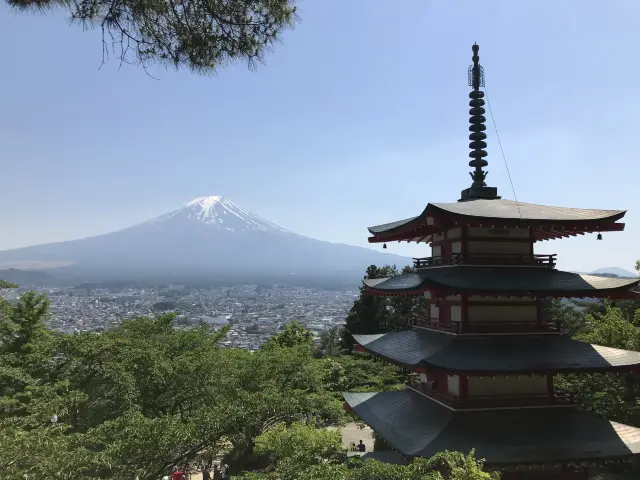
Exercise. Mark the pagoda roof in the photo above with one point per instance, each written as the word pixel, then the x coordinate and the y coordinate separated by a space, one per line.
pixel 507 209
pixel 502 280
pixel 534 353
pixel 497 210
pixel 418 426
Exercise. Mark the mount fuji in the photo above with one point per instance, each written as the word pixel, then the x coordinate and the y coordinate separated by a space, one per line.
pixel 208 236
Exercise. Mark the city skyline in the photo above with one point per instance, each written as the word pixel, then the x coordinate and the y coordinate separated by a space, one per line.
pixel 336 132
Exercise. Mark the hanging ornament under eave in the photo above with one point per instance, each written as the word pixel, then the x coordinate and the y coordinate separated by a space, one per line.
pixel 384 245
pixel 599 237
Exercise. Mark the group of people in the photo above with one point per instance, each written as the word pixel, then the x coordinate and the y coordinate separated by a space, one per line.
pixel 182 473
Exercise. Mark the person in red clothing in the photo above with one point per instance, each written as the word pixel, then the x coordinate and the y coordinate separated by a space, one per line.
pixel 178 474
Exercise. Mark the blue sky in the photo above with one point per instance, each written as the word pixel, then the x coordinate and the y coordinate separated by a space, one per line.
pixel 359 117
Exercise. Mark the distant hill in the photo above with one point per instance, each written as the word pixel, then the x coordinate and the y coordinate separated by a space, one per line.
pixel 28 278
pixel 614 271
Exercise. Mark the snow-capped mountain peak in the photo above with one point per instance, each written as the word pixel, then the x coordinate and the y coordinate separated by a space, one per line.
pixel 221 212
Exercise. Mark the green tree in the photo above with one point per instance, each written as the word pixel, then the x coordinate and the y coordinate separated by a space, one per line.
pixel 614 395
pixel 143 397
pixel 201 35
pixel 369 313
pixel 4 284
pixel 22 326
pixel 570 316
pixel 330 343
pixel 293 335
pixel 289 447
pixel 378 314
pixel 301 451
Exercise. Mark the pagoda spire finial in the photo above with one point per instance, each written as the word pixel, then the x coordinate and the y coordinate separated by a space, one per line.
pixel 477 120
pixel 477 134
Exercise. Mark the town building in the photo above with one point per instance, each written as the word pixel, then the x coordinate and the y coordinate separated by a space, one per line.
pixel 485 353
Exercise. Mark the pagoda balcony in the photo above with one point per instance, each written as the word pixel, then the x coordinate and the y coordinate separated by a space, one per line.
pixel 512 326
pixel 488 326
pixel 506 400
pixel 426 321
pixel 535 260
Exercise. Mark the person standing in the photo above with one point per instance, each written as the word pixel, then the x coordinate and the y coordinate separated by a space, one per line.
pixel 216 473
pixel 362 447
pixel 205 473
pixel 224 472
pixel 177 474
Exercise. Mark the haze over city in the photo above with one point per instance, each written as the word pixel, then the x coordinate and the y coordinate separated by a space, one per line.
pixel 359 117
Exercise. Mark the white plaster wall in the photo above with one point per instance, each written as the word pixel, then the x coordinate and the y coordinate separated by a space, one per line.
pixel 535 384
pixel 456 247
pixel 436 251
pixel 435 311
pixel 427 294
pixel 498 232
pixel 456 313
pixel 488 247
pixel 438 237
pixel 423 378
pixel 495 313
pixel 454 232
pixel 453 385
pixel 455 298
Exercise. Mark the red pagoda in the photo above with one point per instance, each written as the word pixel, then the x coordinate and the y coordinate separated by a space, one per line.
pixel 486 355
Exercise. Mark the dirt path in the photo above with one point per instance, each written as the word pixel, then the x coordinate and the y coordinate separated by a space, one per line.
pixel 352 433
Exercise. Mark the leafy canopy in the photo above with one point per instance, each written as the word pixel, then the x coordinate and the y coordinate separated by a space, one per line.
pixel 301 451
pixel 614 395
pixel 142 397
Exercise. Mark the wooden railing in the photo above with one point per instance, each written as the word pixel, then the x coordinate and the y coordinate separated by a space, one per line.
pixel 428 322
pixel 498 400
pixel 495 326
pixel 511 326
pixel 547 260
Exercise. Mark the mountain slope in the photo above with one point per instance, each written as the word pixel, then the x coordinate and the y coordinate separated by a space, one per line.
pixel 27 277
pixel 209 234
pixel 620 272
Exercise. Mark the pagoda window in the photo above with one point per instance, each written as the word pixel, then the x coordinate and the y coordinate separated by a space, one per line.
pixel 502 313
pixel 454 233
pixel 453 385
pixel 487 247
pixel 456 313
pixel 510 385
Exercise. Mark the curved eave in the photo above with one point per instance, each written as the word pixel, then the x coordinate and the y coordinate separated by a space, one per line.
pixel 616 294
pixel 421 350
pixel 558 223
pixel 416 426
pixel 511 281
